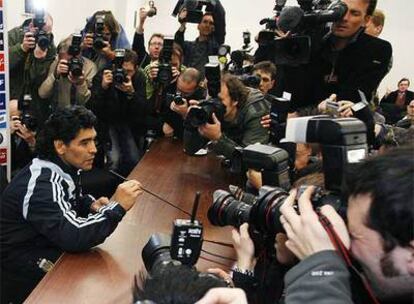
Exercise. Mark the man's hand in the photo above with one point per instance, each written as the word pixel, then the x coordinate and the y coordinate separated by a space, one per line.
pixel 322 105
pixel 27 135
pixel 127 193
pixel 62 67
pixel 181 109
pixel 153 70
pixel 182 16
pixel 29 42
pixel 100 202
pixel 175 73
pixel 39 53
pixel 143 14
pixel 87 42
pixel 127 86
pixel 222 295
pixel 211 131
pixel 306 234
pixel 107 79
pixel 345 108
pixel 266 121
pixel 14 124
pixel 222 274
pixel 76 80
pixel 244 247
pixel 107 51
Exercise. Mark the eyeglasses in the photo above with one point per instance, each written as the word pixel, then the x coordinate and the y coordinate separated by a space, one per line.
pixel 156 44
pixel 208 22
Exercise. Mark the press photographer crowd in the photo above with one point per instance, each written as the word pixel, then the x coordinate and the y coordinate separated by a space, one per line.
pixel 324 210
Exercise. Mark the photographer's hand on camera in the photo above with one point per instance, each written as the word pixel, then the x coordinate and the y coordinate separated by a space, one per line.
pixel 153 70
pixel 345 108
pixel 143 14
pixel 87 42
pixel 211 131
pixel 244 247
pixel 266 121
pixel 29 42
pixel 304 230
pixel 127 87
pixel 22 131
pixel 107 51
pixel 38 53
pixel 62 68
pixel 127 193
pixel 107 79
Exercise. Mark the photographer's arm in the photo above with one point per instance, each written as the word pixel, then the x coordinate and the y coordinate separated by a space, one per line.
pixel 138 44
pixel 83 89
pixel 46 88
pixel 219 15
pixel 40 67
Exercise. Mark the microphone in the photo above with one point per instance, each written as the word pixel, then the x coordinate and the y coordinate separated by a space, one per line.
pixel 290 18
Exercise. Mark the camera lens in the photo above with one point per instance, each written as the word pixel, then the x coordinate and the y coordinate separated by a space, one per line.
pixel 197 117
pixel 265 214
pixel 157 251
pixel 226 210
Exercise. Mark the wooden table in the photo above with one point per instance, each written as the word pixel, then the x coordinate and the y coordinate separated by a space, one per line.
pixel 106 273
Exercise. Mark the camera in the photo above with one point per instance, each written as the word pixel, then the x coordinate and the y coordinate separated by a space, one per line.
pixel 75 63
pixel 194 9
pixel 177 98
pixel 26 118
pixel 119 74
pixel 213 76
pixel 164 76
pixel 41 37
pixel 203 113
pixel 152 11
pixel 343 142
pixel 98 38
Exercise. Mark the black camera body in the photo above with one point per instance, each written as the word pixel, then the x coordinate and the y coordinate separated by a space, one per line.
pixel 98 37
pixel 164 76
pixel 75 63
pixel 41 37
pixel 119 74
pixel 26 117
pixel 203 113
pixel 177 98
pixel 195 9
pixel 152 11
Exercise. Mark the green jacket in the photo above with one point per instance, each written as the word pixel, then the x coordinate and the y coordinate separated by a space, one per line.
pixel 27 73
pixel 246 129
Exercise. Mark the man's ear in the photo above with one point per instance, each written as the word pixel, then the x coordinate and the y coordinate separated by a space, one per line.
pixel 367 19
pixel 60 147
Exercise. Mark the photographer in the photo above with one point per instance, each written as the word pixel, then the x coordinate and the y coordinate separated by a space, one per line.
pixel 380 222
pixel 349 59
pixel 157 86
pixel 155 42
pixel 22 139
pixel 118 99
pixel 266 70
pixel 70 77
pixel 240 126
pixel 212 31
pixel 188 92
pixel 101 36
pixel 43 210
pixel 31 51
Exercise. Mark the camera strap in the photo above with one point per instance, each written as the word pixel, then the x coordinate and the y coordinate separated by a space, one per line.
pixel 345 255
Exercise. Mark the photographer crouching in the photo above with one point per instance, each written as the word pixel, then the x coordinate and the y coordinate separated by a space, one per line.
pixel 228 123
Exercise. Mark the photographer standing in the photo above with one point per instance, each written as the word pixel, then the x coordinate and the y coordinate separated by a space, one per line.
pixel 101 36
pixel 118 99
pixel 240 126
pixel 31 51
pixel 70 77
pixel 212 32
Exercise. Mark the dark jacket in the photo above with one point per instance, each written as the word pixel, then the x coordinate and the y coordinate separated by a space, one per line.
pixel 138 45
pixel 27 72
pixel 392 112
pixel 112 106
pixel 245 130
pixel 43 208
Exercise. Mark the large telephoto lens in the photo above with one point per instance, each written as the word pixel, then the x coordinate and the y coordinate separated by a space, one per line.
pixel 265 215
pixel 227 211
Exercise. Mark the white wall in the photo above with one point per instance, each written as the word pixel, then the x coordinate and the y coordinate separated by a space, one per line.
pixel 70 15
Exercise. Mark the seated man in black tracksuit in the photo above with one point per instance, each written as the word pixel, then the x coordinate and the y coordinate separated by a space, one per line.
pixel 44 213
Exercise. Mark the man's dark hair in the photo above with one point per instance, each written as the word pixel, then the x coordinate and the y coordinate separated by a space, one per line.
pixel 237 90
pixel 372 4
pixel 267 67
pixel 404 79
pixel 158 35
pixel 109 21
pixel 176 284
pixel 131 56
pixel 64 125
pixel 388 179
